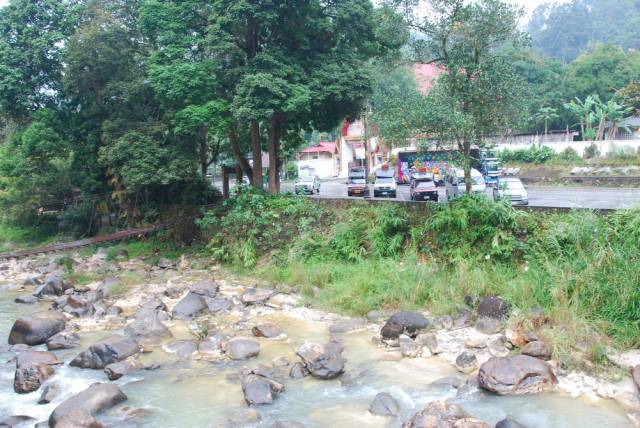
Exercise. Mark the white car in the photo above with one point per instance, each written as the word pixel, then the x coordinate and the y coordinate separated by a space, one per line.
pixel 456 186
pixel 511 188
pixel 384 186
pixel 307 185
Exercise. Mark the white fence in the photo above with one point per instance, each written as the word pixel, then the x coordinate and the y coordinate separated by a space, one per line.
pixel 604 147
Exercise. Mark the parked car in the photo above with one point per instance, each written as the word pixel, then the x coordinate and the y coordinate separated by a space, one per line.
pixel 511 188
pixel 385 184
pixel 423 188
pixel 456 186
pixel 307 185
pixel 357 182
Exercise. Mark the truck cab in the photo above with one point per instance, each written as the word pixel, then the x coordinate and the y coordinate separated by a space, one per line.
pixel 357 182
pixel 385 183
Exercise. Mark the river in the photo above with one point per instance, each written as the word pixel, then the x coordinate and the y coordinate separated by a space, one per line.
pixel 192 392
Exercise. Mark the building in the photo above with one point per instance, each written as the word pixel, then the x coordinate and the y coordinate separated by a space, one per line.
pixel 628 129
pixel 321 160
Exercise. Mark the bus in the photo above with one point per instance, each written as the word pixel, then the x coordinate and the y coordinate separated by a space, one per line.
pixel 436 161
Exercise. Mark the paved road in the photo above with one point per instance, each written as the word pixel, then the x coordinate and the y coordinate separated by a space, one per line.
pixel 555 197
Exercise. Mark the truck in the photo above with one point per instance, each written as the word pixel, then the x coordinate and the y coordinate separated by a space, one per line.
pixel 491 170
pixel 423 186
pixel 357 182
pixel 385 183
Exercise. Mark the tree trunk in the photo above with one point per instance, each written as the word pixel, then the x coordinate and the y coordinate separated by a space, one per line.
pixel 601 124
pixel 546 127
pixel 241 161
pixel 273 147
pixel 204 151
pixel 257 155
pixel 467 165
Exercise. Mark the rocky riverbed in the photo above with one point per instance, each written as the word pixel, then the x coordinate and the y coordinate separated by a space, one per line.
pixel 184 343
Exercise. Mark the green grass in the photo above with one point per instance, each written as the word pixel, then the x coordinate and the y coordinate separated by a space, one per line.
pixel 17 238
pixel 581 268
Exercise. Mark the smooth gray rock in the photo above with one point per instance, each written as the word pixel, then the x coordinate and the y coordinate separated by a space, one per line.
pixel 509 423
pixel 442 414
pixel 298 371
pixel 36 329
pixel 63 340
pixel 537 349
pixel 466 362
pixel 323 362
pixel 205 288
pixel 90 402
pixel 241 348
pixel 384 405
pixel 268 330
pixel 108 351
pixel 259 390
pixel 517 375
pixel 190 306
pixel 26 299
pixel 17 421
pixel 50 392
pixel 488 325
pixel 409 323
pixel 147 328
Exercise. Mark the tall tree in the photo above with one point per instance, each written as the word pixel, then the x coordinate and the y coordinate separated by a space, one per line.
pixel 479 94
pixel 33 36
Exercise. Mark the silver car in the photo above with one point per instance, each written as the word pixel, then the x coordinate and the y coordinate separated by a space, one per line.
pixel 307 185
pixel 512 189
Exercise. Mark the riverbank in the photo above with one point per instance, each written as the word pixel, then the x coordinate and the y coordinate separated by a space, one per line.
pixel 211 341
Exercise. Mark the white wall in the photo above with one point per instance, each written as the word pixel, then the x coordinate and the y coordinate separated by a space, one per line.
pixel 324 167
pixel 604 147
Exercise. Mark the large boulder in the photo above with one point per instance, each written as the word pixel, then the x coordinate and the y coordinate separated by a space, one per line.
pixel 108 351
pixel 384 405
pixel 26 299
pixel 519 374
pixel 441 414
pixel 147 328
pixel 90 402
pixel 409 323
pixel 241 348
pixel 323 362
pixel 190 306
pixel 493 307
pixel 259 390
pixel 50 392
pixel 36 329
pixel 29 376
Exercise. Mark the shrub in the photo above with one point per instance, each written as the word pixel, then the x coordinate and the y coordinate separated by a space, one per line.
pixel 591 152
pixel 534 154
pixel 569 154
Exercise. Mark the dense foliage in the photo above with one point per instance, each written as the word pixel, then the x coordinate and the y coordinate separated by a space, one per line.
pixel 130 102
pixel 579 265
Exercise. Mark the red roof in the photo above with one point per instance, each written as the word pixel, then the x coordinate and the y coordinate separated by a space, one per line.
pixel 426 75
pixel 321 147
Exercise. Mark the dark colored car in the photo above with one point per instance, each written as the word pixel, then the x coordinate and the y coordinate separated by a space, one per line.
pixel 424 190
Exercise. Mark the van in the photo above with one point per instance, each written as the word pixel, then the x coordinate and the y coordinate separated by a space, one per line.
pixel 456 187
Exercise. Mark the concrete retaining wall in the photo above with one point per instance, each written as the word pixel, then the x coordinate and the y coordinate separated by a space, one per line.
pixel 605 147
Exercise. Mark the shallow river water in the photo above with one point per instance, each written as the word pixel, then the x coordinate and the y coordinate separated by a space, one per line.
pixel 199 393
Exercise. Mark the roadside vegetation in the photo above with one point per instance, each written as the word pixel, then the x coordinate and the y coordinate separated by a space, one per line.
pixel 581 268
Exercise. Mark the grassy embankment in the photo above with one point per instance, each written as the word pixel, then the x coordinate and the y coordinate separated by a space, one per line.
pixel 581 268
